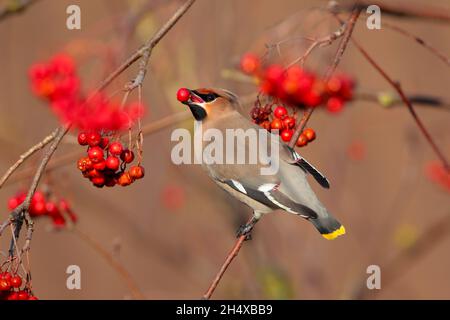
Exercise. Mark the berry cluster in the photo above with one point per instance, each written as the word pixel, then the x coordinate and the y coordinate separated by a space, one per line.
pixel 57 82
pixel 298 87
pixel 280 119
pixel 10 288
pixel 42 205
pixel 106 162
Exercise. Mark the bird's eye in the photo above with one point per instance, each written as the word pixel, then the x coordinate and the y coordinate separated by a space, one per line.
pixel 210 97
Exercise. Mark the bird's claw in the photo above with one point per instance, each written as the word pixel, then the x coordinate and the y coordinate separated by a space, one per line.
pixel 245 230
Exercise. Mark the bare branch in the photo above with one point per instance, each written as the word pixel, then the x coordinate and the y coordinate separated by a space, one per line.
pixel 406 101
pixel 15 7
pixel 349 26
pixel 28 154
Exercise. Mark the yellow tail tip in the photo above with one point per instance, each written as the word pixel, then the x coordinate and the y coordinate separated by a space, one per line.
pixel 334 234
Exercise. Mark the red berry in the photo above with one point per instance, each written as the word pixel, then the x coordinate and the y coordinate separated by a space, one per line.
pixel 98 181
pixel 276 124
pixel 16 281
pixel 335 104
pixel 22 295
pixel 137 172
pixel 286 135
pixel 52 209
pixel 6 276
pixel 5 285
pixel 124 179
pixel 94 173
pixel 38 208
pixel 94 139
pixel 100 166
pixel 310 134
pixel 64 205
pixel 104 142
pixel 127 156
pixel 95 154
pixel 112 163
pixel 13 296
pixel 33 298
pixel 289 122
pixel 83 138
pixel 265 125
pixel 13 203
pixel 302 141
pixel 280 112
pixel 183 94
pixel 115 148
pixel 250 63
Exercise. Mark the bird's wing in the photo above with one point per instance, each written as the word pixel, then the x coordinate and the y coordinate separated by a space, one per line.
pixel 269 195
pixel 298 160
pixel 286 154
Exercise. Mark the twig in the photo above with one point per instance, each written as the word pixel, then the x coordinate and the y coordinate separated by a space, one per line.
pixel 349 26
pixel 21 213
pixel 406 101
pixel 398 265
pixel 404 10
pixel 28 154
pixel 114 263
pixel 144 52
pixel 13 7
pixel 230 257
pixel 388 99
pixel 420 41
pixel 69 158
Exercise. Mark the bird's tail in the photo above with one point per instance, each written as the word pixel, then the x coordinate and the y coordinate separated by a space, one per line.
pixel 328 227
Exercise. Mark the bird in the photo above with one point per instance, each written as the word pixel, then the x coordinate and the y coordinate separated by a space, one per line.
pixel 286 189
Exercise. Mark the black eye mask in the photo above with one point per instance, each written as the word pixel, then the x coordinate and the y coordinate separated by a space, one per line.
pixel 207 97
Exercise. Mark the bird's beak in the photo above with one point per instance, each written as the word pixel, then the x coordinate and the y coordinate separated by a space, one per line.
pixel 196 104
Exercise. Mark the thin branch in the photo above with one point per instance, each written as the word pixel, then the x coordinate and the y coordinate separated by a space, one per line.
pixel 420 41
pixel 15 7
pixel 114 263
pixel 398 266
pixel 404 9
pixel 144 52
pixel 390 99
pixel 406 101
pixel 230 257
pixel 69 158
pixel 28 154
pixel 350 25
pixel 21 213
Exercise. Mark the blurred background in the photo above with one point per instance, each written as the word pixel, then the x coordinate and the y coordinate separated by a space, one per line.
pixel 169 233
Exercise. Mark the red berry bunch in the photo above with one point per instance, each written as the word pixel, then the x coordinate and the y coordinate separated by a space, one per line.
pixel 44 204
pixel 56 79
pixel 58 83
pixel 280 119
pixel 298 87
pixel 106 162
pixel 10 287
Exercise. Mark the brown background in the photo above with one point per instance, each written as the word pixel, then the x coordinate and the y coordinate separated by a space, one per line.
pixel 385 200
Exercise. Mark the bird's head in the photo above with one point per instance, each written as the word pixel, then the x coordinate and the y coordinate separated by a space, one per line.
pixel 207 102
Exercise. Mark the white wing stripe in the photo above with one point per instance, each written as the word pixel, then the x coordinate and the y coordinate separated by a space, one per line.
pixel 239 186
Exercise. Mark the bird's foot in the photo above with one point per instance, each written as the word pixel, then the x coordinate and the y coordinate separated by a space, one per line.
pixel 245 230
